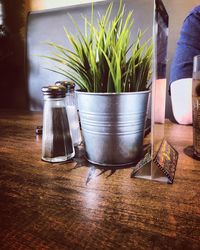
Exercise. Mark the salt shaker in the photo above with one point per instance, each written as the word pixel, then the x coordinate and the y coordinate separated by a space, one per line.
pixel 57 143
pixel 72 111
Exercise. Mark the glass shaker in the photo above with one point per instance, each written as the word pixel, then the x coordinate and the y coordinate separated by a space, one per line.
pixel 57 143
pixel 72 111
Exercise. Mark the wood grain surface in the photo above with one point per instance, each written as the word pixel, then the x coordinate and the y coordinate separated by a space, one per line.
pixel 77 206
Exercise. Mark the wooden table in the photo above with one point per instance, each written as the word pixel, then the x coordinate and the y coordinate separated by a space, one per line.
pixel 52 206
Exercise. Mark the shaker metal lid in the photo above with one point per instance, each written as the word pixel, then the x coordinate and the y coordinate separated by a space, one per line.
pixel 68 85
pixel 54 91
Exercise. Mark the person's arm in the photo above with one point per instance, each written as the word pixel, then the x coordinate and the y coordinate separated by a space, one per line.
pixel 181 95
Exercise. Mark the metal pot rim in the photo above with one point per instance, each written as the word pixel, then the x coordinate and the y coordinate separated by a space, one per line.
pixel 112 94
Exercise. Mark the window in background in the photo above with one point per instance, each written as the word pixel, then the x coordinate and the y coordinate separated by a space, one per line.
pixel 5 49
pixel 49 4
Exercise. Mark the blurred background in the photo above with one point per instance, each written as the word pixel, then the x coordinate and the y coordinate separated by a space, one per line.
pixel 13 18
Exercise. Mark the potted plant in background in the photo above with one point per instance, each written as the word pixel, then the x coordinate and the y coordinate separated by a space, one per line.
pixel 114 87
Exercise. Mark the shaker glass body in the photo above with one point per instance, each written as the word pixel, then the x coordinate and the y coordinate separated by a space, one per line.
pixel 57 143
pixel 196 105
pixel 73 118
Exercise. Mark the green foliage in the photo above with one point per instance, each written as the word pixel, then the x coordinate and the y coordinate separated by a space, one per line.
pixel 99 61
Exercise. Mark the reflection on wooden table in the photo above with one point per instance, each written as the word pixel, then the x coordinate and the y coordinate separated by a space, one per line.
pixel 76 206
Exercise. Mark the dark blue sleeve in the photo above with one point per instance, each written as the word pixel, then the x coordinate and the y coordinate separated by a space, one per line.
pixel 187 47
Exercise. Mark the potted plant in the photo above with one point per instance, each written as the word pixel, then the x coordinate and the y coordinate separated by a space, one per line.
pixel 114 87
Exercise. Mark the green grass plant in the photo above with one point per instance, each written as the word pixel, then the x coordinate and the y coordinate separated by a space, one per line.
pixel 99 61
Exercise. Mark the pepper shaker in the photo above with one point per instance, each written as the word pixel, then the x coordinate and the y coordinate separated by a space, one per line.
pixel 57 143
pixel 72 111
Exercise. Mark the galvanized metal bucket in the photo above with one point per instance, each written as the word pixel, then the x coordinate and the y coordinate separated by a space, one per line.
pixel 113 126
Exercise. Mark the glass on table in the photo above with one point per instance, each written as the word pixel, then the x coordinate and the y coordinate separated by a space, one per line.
pixel 196 105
